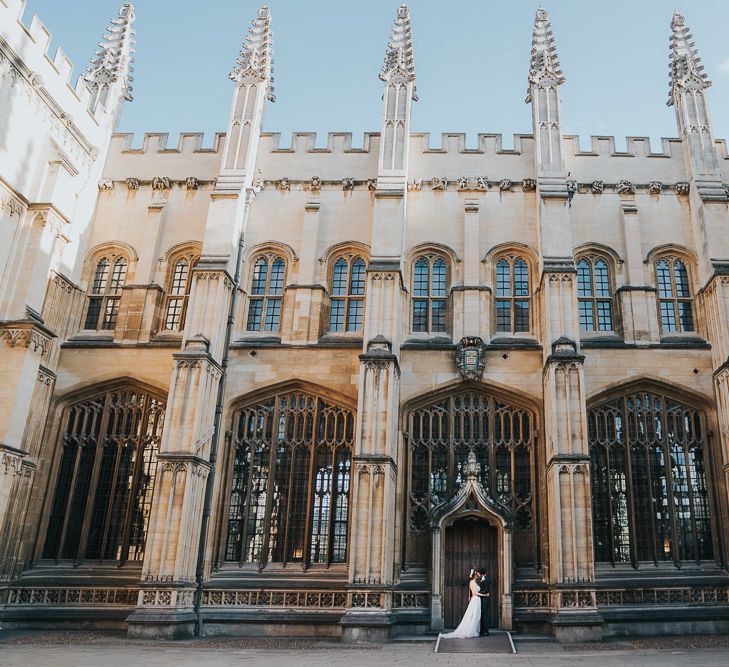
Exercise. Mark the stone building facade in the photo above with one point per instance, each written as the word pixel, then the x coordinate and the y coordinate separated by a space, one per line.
pixel 259 388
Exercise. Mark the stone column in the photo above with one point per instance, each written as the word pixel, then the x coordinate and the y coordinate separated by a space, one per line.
pixel 567 464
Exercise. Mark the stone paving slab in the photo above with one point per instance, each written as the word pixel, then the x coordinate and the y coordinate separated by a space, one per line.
pixel 78 649
pixel 495 643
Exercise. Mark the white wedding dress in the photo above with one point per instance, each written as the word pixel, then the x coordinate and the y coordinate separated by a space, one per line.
pixel 470 624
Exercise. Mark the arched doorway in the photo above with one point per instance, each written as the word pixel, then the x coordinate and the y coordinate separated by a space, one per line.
pixel 470 542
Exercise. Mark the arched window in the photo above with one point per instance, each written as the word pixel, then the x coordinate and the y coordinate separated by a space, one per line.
pixel 512 295
pixel 430 291
pixel 594 293
pixel 105 481
pixel 441 434
pixel 264 304
pixel 675 303
pixel 105 293
pixel 649 494
pixel 346 304
pixel 291 473
pixel 178 292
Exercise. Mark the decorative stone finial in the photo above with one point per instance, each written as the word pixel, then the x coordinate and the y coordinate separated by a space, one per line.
pixel 255 61
pixel 399 61
pixel 685 68
pixel 544 66
pixel 473 467
pixel 113 61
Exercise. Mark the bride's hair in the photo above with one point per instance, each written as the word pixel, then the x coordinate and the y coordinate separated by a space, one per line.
pixel 472 574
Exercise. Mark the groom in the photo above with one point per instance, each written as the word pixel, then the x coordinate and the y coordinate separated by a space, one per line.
pixel 482 579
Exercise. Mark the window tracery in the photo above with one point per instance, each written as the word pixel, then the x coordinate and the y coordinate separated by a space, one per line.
pixel 675 301
pixel 179 284
pixel 649 480
pixel 105 291
pixel 290 486
pixel 441 435
pixel 346 301
pixel 105 480
pixel 429 294
pixel 266 295
pixel 594 293
pixel 513 295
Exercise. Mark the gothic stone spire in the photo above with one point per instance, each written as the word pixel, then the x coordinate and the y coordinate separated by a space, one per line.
pixel 399 61
pixel 685 68
pixel 113 61
pixel 255 60
pixel 544 65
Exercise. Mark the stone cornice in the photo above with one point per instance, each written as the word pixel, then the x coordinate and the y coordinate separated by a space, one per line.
pixel 26 333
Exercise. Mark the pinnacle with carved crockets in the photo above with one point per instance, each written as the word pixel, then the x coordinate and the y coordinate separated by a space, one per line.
pixel 399 61
pixel 685 68
pixel 544 66
pixel 113 60
pixel 255 61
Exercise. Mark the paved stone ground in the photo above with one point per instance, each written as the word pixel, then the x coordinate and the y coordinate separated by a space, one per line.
pixel 76 649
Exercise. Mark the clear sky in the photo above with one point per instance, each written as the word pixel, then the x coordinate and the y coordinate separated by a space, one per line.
pixel 471 61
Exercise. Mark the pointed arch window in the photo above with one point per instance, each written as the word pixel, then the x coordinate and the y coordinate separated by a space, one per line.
pixel 290 481
pixel 103 493
pixel 179 284
pixel 430 294
pixel 675 303
pixel 105 291
pixel 441 435
pixel 346 303
pixel 649 480
pixel 512 295
pixel 266 297
pixel 594 293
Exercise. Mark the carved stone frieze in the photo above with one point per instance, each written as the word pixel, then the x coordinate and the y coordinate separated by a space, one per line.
pixel 106 184
pixel 24 335
pixel 529 184
pixel 597 187
pixel 625 187
pixel 192 183
pixel 505 184
pixel 14 206
pixel 440 184
pixel 348 183
pixel 470 183
pixel 682 188
pixel 72 596
pixel 315 183
pixel 416 184
pixel 571 186
pixel 372 184
pixel 283 184
pixel 161 183
pixel 12 464
pixel 655 187
pixel 132 184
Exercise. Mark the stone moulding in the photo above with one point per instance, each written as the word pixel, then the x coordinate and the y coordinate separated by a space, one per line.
pixel 59 124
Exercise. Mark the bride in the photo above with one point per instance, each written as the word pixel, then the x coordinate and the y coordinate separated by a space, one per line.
pixel 471 621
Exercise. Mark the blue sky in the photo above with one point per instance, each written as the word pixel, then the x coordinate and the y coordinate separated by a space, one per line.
pixel 471 60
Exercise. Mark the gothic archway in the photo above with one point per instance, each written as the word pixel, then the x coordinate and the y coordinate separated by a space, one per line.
pixel 472 453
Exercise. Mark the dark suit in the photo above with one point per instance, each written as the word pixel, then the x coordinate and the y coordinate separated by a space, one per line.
pixel 485 586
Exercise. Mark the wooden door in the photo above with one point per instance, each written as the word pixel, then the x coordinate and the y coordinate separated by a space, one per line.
pixel 469 544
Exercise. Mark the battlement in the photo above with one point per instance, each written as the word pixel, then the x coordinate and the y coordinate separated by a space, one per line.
pixel 299 156
pixel 27 46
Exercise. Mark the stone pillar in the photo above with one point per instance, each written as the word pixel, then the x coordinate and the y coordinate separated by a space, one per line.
pixel 570 564
pixel 166 601
pixel 637 300
pixel 308 297
pixel 376 455
pixel 471 307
